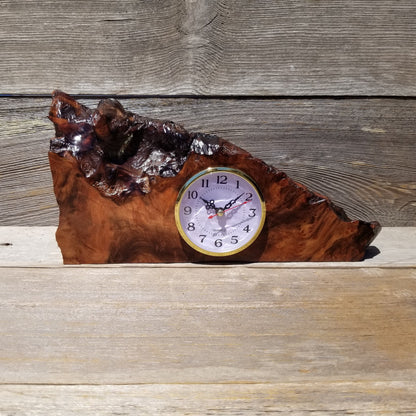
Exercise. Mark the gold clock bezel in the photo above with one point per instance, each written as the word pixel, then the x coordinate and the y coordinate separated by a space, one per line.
pixel 197 176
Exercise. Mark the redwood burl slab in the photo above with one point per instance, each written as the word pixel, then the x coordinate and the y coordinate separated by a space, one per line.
pixel 116 177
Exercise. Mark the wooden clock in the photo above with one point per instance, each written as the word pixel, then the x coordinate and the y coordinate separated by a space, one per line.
pixel 132 189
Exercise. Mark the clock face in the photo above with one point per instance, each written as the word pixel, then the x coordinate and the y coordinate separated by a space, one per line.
pixel 220 211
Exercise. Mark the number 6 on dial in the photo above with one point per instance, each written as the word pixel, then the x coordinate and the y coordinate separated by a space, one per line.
pixel 220 211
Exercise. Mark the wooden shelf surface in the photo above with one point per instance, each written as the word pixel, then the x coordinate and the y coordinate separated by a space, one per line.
pixel 297 338
pixel 36 246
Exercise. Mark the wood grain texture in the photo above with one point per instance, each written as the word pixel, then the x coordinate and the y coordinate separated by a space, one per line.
pixel 299 225
pixel 295 47
pixel 36 246
pixel 208 325
pixel 317 398
pixel 234 340
pixel 29 246
pixel 335 343
pixel 365 147
pixel 117 176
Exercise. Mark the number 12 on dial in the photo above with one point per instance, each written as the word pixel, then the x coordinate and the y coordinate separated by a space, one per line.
pixel 220 211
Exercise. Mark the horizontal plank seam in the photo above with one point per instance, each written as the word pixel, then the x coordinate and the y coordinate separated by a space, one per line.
pixel 208 383
pixel 139 266
pixel 219 96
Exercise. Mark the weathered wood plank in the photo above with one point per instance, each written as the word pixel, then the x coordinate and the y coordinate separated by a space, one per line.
pixel 298 339
pixel 360 153
pixel 217 47
pixel 99 325
pixel 29 246
pixel 317 398
pixel 36 246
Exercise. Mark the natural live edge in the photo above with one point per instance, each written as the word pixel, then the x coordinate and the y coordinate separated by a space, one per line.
pixel 117 177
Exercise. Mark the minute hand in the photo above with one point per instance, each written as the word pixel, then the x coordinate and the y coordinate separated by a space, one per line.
pixel 232 202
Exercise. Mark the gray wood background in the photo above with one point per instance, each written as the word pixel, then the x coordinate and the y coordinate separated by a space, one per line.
pixel 323 90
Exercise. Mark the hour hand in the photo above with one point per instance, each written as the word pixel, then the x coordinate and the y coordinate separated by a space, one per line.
pixel 232 202
pixel 209 204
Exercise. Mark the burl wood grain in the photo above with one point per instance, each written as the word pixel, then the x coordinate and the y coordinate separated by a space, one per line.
pixel 116 177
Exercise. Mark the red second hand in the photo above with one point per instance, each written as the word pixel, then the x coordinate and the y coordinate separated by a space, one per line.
pixel 214 215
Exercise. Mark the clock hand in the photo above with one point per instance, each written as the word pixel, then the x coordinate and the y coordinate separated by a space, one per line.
pixel 220 212
pixel 209 204
pixel 232 202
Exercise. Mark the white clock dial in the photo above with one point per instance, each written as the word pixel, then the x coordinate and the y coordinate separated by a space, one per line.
pixel 220 211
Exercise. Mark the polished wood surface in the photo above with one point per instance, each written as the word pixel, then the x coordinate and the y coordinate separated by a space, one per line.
pixel 117 175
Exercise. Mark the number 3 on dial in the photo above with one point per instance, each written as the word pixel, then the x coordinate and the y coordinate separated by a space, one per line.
pixel 220 211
